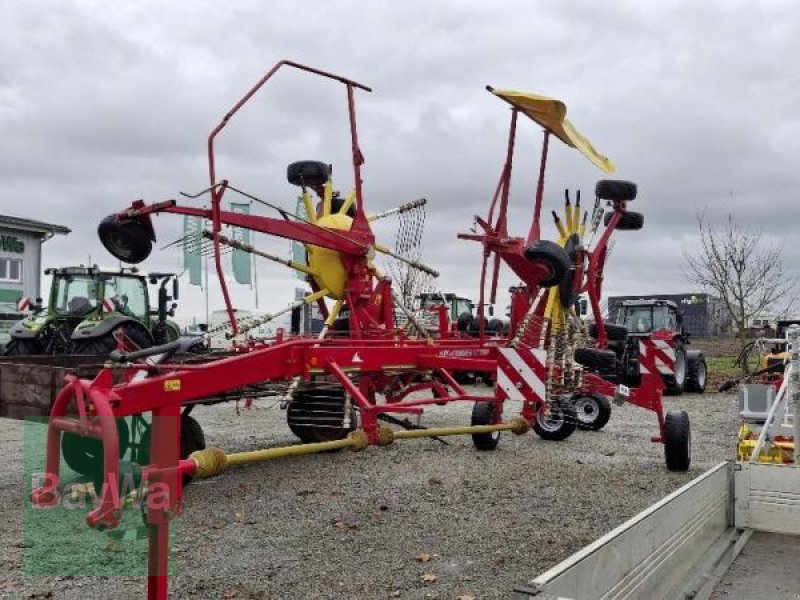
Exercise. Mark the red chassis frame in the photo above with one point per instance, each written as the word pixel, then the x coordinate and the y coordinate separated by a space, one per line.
pixel 385 359
pixel 375 349
pixel 587 278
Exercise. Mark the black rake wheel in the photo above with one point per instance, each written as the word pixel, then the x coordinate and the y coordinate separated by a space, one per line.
pixel 128 241
pixel 615 190
pixel 84 455
pixel 592 411
pixel 557 423
pixel 596 358
pixel 554 256
pixel 677 441
pixel 629 221
pixel 482 414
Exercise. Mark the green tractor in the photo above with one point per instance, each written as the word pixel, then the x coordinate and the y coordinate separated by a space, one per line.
pixel 91 310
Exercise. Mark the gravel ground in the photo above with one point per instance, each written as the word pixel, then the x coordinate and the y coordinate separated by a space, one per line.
pixel 416 520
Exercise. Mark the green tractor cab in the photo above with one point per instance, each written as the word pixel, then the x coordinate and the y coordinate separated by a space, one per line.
pixel 91 310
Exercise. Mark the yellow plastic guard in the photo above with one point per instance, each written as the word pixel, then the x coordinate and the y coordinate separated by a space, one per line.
pixel 552 115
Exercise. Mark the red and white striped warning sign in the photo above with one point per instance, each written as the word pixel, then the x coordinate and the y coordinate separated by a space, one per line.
pixel 109 305
pixel 521 374
pixel 658 355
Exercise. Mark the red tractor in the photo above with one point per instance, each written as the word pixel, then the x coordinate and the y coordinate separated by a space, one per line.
pixel 659 324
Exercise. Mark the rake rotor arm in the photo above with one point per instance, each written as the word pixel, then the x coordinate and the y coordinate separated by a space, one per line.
pixel 339 240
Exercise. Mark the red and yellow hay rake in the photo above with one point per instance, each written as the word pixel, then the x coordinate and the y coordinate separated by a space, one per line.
pixel 376 369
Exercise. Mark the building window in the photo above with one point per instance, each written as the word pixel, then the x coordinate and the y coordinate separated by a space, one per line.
pixel 11 270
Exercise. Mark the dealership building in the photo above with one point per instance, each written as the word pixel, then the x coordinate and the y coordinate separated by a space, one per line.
pixel 21 262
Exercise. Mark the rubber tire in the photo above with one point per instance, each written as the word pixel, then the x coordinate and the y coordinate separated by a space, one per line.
pixel 677 441
pixel 554 256
pixel 308 173
pixel 192 439
pixel 336 205
pixel 106 344
pixel 630 221
pixel 464 322
pixel 614 332
pixel 309 435
pixel 482 414
pixel 23 347
pixel 84 455
pixel 600 411
pixel 595 358
pixel 192 436
pixel 696 379
pixel 565 427
pixel 129 242
pixel 615 190
pixel 674 385
pixel 496 327
pixel 567 295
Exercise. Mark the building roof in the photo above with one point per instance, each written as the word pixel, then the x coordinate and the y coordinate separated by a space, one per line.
pixel 34 226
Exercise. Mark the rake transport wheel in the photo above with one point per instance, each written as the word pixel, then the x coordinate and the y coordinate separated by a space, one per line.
pixel 316 414
pixel 84 455
pixel 129 241
pixel 557 424
pixel 592 411
pixel 483 413
pixel 596 359
pixel 554 256
pixel 307 173
pixel 630 221
pixel 192 439
pixel 676 382
pixel 677 441
pixel 615 189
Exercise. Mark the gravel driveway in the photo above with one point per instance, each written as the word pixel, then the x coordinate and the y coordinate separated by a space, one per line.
pixel 416 520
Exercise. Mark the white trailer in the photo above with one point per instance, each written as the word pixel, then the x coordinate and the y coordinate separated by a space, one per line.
pixel 684 545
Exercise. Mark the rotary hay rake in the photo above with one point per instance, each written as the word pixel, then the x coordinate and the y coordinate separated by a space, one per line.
pixel 372 369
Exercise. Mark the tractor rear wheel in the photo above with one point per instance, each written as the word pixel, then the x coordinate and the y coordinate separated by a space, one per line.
pixel 592 411
pixel 483 413
pixel 23 347
pixel 677 440
pixel 554 256
pixel 615 189
pixel 677 381
pixel 128 241
pixel 696 375
pixel 558 423
pixel 84 455
pixel 316 414
pixel 106 344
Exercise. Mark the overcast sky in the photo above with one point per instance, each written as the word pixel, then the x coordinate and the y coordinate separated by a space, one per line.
pixel 102 103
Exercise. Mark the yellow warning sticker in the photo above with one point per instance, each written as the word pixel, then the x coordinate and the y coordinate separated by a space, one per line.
pixel 172 385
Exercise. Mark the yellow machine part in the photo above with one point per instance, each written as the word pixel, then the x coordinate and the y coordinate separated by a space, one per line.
pixel 552 115
pixel 329 272
pixel 777 452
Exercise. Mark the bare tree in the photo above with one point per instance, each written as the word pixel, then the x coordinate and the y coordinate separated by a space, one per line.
pixel 744 270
